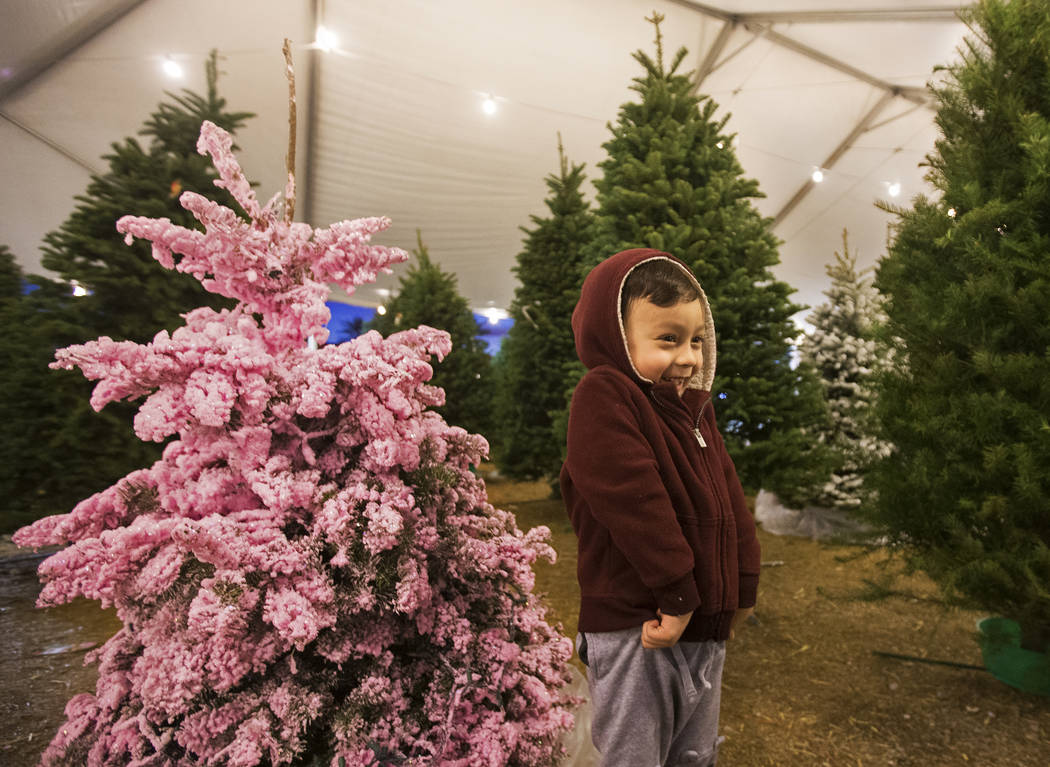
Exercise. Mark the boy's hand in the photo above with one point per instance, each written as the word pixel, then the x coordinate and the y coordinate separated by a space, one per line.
pixel 664 630
pixel 739 617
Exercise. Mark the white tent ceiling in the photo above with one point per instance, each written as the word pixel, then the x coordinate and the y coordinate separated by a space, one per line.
pixel 390 122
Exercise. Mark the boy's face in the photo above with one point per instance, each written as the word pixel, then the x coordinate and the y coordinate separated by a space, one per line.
pixel 665 342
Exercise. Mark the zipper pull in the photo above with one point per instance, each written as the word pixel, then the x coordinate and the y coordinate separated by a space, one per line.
pixel 699 437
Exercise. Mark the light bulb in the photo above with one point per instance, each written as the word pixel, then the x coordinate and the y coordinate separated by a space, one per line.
pixel 818 176
pixel 494 314
pixel 951 213
pixel 172 68
pixel 380 309
pixel 721 145
pixel 488 106
pixel 894 189
pixel 78 289
pixel 325 39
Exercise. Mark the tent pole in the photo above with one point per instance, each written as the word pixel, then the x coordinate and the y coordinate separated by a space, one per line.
pixel 713 53
pixel 760 23
pixel 928 13
pixel 840 150
pixel 67 153
pixel 916 95
pixel 922 13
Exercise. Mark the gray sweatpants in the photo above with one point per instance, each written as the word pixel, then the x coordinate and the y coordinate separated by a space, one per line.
pixel 653 708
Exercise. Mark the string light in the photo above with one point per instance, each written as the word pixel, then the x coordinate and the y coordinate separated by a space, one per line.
pixel 721 145
pixel 380 309
pixel 78 289
pixel 894 189
pixel 488 106
pixel 818 176
pixel 325 39
pixel 951 213
pixel 494 314
pixel 172 68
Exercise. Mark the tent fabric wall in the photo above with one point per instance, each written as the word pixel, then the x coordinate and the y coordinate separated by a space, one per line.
pixel 393 123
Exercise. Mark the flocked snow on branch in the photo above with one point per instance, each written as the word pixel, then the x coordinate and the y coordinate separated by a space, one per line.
pixel 312 573
pixel 842 348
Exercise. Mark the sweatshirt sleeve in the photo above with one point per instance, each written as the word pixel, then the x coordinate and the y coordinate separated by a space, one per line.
pixel 749 554
pixel 614 470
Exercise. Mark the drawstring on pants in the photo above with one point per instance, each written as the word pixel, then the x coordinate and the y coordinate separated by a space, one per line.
pixel 703 677
pixel 687 679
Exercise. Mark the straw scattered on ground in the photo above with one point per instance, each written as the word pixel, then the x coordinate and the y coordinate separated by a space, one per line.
pixel 803 685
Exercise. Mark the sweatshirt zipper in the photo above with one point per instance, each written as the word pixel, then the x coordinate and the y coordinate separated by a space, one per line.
pixel 722 518
pixel 699 417
pixel 696 427
pixel 707 470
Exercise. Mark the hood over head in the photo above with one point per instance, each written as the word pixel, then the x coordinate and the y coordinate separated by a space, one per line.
pixel 598 326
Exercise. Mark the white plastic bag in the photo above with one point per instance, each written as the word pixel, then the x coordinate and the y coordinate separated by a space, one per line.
pixel 577 742
pixel 812 522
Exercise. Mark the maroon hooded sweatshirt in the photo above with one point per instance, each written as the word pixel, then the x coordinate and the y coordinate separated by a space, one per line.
pixel 658 510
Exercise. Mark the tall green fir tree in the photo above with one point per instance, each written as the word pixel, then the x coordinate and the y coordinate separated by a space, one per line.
pixel 11 277
pixel 54 449
pixel 129 295
pixel 428 295
pixel 966 490
pixel 671 181
pixel 13 360
pixel 540 343
pixel 843 350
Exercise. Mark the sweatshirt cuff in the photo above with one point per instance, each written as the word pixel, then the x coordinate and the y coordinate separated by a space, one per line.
pixel 748 591
pixel 678 597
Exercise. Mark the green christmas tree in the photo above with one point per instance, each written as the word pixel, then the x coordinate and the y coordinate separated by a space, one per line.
pixel 843 350
pixel 13 360
pixel 10 275
pixel 967 281
pixel 672 182
pixel 429 295
pixel 131 296
pixel 540 343
pixel 54 449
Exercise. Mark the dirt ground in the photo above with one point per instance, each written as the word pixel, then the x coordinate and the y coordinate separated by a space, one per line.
pixel 41 657
pixel 803 685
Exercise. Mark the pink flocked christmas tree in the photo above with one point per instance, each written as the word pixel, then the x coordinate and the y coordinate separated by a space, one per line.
pixel 312 574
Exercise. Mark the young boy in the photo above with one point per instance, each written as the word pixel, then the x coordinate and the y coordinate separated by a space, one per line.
pixel 668 558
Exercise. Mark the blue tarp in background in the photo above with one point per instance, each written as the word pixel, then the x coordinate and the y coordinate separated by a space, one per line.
pixel 348 322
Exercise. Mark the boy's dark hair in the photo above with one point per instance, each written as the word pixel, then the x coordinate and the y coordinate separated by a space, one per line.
pixel 660 281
